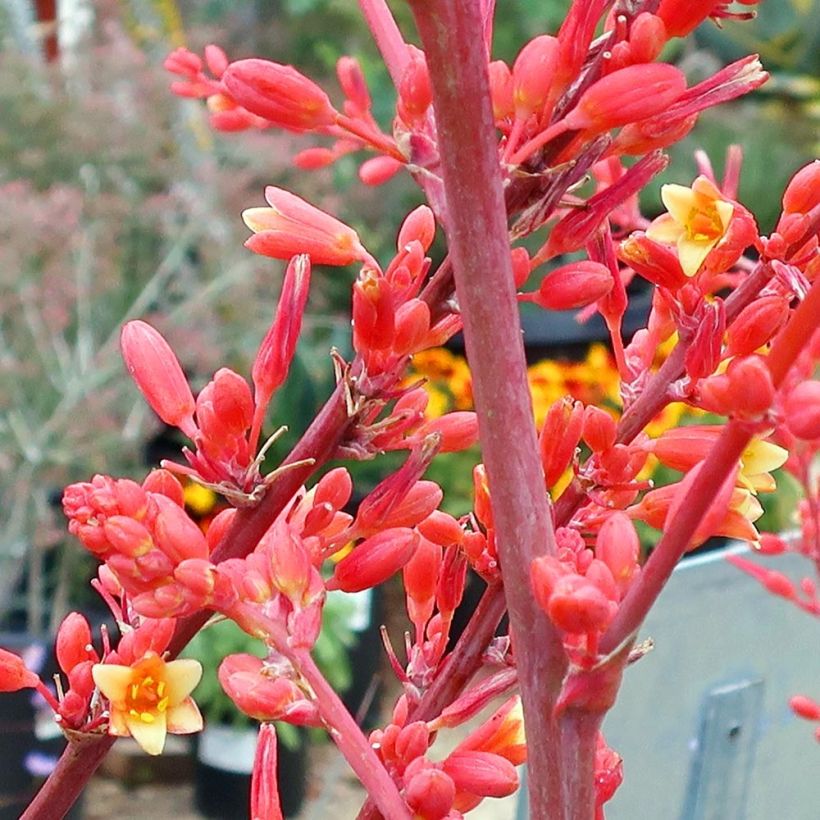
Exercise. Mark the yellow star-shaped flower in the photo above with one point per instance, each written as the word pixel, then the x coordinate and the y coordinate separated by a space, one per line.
pixel 697 219
pixel 150 699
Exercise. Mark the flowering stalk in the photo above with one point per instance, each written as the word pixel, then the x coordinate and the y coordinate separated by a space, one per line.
pixel 477 235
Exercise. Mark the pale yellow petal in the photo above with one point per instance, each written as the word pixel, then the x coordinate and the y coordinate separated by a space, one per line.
pixel 679 201
pixel 117 724
pixel 150 734
pixel 705 187
pixel 664 229
pixel 185 718
pixel 763 457
pixel 181 676
pixel 725 210
pixel 692 252
pixel 261 219
pixel 112 680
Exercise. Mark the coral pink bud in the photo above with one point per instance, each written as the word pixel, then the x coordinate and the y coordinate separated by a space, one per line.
pixel 219 526
pixel 176 534
pixel 441 528
pixel 618 546
pixel 312 158
pixel 378 170
pixel 158 374
pixel 451 581
pixel 575 285
pixel 351 79
pixel 421 574
pixel 458 430
pixel 412 326
pixel 533 73
pixel 216 60
pixel 232 402
pixel 803 191
pixel 802 409
pixel 520 266
pixel 383 503
pixel 481 773
pixel 265 803
pixel 280 94
pixel 415 92
pixel 291 226
pixel 184 62
pixel 419 225
pixel 374 312
pixel 578 606
pixel 805 707
pixel 756 324
pixel 501 90
pixel 73 643
pixel 599 429
pixel 13 673
pixel 127 536
pixel 503 732
pixel 412 741
pixel 374 560
pixel 481 496
pixel 624 96
pixel 196 575
pixel 657 263
pixel 744 391
pixel 334 488
pixel 164 483
pixel 559 437
pixel 681 17
pixel 272 362
pixel 771 544
pixel 545 572
pixel 647 36
pixel 430 794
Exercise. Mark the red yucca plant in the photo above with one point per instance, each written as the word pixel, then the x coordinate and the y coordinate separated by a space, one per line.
pixel 500 153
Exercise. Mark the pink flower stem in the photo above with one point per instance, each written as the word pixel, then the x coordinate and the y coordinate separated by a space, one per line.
pixel 452 34
pixel 353 744
pixel 388 38
pixel 720 462
pixel 579 731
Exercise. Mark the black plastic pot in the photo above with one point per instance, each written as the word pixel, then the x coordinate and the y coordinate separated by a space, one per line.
pixel 222 781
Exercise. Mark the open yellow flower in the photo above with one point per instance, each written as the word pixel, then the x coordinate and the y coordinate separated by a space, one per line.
pixel 697 219
pixel 757 462
pixel 150 699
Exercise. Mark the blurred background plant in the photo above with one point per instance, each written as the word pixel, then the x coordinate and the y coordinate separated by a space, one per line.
pixel 117 201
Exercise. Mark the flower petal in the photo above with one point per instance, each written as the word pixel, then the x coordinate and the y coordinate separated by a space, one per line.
pixel 762 457
pixel 185 718
pixel 181 676
pixel 149 734
pixel 664 229
pixel 261 219
pixel 113 680
pixel 692 252
pixel 679 201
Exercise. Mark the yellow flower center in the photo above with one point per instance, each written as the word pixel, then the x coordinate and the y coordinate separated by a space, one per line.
pixel 703 224
pixel 146 696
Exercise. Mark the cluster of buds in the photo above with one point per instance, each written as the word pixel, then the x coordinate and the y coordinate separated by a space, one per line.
pixel 257 94
pixel 225 420
pixel 130 691
pixel 580 588
pixel 482 765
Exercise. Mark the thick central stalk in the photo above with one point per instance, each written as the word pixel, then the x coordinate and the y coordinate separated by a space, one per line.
pixel 451 31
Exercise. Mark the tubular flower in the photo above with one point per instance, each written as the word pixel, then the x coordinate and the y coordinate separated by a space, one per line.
pixel 697 219
pixel 150 698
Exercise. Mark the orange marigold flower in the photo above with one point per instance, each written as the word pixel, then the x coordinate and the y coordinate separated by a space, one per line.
pixel 150 698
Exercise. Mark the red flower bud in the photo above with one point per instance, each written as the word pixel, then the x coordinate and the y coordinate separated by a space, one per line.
pixel 657 263
pixel 599 429
pixel 624 96
pixel 378 170
pixel 618 546
pixel 441 528
pixel 419 225
pixel 374 312
pixel 805 707
pixel 533 73
pixel 802 409
pixel 430 794
pixel 312 158
pixel 13 673
pixel 559 437
pixel 578 605
pixel 575 285
pixel 415 92
pixel 756 324
pixel 681 17
pixel 334 488
pixel 73 643
pixel 265 803
pixel 164 483
pixel 412 326
pixel 374 560
pixel 520 266
pixel 280 94
pixel 481 773
pixel 458 430
pixel 421 575
pixel 501 90
pixel 272 362
pixel 803 191
pixel 158 374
